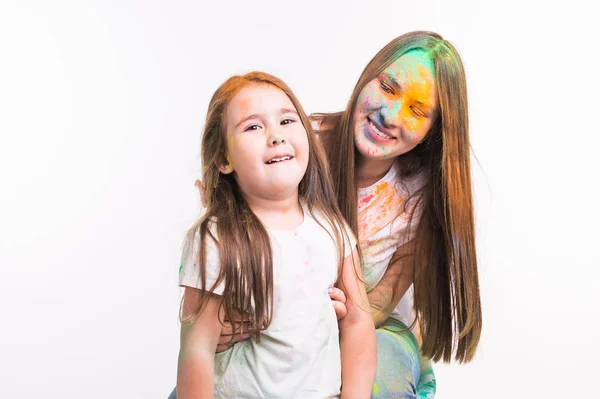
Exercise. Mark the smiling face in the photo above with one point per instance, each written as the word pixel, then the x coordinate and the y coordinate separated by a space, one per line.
pixel 267 145
pixel 395 110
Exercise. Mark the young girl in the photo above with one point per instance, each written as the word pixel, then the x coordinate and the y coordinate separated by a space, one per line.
pixel 400 158
pixel 271 243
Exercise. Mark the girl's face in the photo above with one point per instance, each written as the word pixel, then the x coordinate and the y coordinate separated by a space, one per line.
pixel 267 145
pixel 395 110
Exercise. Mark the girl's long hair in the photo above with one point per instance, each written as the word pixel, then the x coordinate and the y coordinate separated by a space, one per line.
pixel 446 284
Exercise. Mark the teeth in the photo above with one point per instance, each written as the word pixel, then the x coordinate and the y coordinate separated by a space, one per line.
pixel 279 159
pixel 379 132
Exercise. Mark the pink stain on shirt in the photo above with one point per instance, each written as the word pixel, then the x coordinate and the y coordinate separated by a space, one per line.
pixel 366 199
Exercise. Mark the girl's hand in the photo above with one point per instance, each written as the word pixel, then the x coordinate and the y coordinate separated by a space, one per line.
pixel 227 339
pixel 339 302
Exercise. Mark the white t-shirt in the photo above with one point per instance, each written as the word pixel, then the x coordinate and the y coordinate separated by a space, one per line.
pixel 299 354
pixel 383 227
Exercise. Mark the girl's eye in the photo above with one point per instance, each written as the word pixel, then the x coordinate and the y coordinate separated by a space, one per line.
pixel 287 121
pixel 252 127
pixel 386 88
pixel 418 111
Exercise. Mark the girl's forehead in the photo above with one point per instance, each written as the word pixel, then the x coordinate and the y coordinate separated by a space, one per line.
pixel 256 97
pixel 414 66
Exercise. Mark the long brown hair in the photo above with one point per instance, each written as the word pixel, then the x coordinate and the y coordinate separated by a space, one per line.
pixel 246 261
pixel 446 283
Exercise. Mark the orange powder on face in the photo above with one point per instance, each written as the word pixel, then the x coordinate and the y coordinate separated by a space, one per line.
pixel 418 93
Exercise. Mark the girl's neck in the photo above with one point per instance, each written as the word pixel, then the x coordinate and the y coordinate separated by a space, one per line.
pixel 370 171
pixel 282 213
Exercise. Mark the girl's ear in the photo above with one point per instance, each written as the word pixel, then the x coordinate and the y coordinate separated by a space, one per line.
pixel 228 168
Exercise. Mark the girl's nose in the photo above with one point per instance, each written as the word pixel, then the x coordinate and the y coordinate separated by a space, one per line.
pixel 391 114
pixel 276 139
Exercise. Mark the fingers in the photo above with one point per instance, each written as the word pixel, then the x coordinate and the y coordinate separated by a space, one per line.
pixel 241 328
pixel 226 342
pixel 222 348
pixel 339 302
pixel 237 316
pixel 340 309
pixel 337 295
pixel 228 338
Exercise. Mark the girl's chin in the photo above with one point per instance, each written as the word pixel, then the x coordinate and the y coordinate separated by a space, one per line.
pixel 373 151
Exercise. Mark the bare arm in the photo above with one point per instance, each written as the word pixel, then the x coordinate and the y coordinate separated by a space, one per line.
pixel 386 295
pixel 357 334
pixel 398 277
pixel 197 350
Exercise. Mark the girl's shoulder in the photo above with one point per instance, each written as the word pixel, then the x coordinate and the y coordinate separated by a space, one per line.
pixel 193 241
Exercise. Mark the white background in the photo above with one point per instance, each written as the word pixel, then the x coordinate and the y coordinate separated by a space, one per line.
pixel 101 109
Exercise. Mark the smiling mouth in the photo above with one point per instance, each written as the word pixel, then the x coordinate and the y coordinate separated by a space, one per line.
pixel 279 159
pixel 378 132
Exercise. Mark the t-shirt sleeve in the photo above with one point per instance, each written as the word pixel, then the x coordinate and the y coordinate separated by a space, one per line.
pixel 189 271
